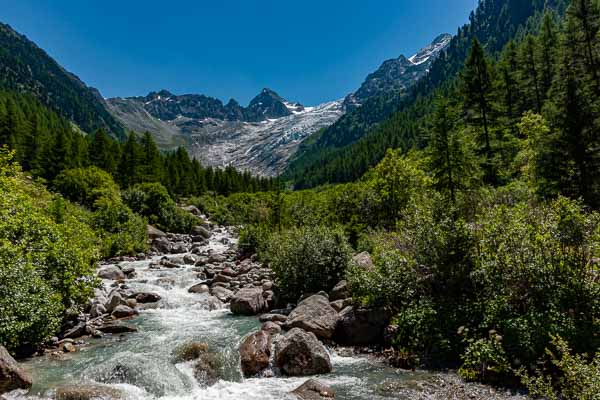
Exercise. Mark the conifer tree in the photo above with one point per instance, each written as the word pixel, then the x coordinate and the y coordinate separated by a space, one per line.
pixel 477 91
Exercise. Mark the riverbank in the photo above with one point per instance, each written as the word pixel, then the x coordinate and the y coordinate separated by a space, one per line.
pixel 145 364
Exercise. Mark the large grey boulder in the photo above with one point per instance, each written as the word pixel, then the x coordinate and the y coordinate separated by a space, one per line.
pixel 313 390
pixel 221 293
pixel 122 312
pixel 299 353
pixel 199 288
pixel 201 231
pixel 359 327
pixel 315 315
pixel 255 352
pixel 114 300
pixel 12 376
pixel 112 272
pixel 363 260
pixel 340 291
pixel 162 244
pixel 248 301
pixel 154 233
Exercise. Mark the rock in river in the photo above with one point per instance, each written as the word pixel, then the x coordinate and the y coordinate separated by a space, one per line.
pixel 255 352
pixel 358 327
pixel 11 375
pixel 248 301
pixel 87 392
pixel 315 315
pixel 112 272
pixel 299 353
pixel 313 390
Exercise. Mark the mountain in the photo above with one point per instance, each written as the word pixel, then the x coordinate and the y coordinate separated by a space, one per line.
pixel 26 68
pixel 263 136
pixel 397 75
pixel 260 138
pixel 345 151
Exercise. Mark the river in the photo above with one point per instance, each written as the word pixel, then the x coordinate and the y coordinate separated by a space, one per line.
pixel 181 317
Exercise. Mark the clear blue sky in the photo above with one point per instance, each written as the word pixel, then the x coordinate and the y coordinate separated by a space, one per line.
pixel 306 50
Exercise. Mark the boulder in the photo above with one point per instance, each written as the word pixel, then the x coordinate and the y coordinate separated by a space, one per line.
pixel 360 327
pixel 162 245
pixel 363 260
pixel 179 248
pixel 97 310
pixel 154 233
pixel 208 369
pixel 199 288
pixel 201 231
pixel 271 328
pixel 313 390
pixel 122 312
pixel 114 300
pixel 145 297
pixel 221 293
pixel 12 376
pixel 273 318
pixel 339 305
pixel 315 315
pixel 116 329
pixel 255 352
pixel 299 353
pixel 340 291
pixel 112 272
pixel 192 210
pixel 87 392
pixel 248 301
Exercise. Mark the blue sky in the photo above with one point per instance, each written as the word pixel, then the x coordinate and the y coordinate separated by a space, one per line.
pixel 307 50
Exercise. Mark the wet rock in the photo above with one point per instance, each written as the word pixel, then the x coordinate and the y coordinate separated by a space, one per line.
pixel 116 329
pixel 214 303
pixel 313 390
pixel 255 352
pixel 162 245
pixel 359 327
pixel 222 278
pixel 12 376
pixel 189 259
pixel 201 231
pixel 199 288
pixel 221 293
pixel 271 328
pixel 189 351
pixel 208 369
pixel 122 312
pixel 87 392
pixel 154 233
pixel 179 248
pixel 340 291
pixel 76 332
pixel 146 297
pixel 299 353
pixel 69 347
pixel 216 259
pixel 114 300
pixel 228 271
pixel 111 272
pixel 315 315
pixel 273 318
pixel 97 310
pixel 248 301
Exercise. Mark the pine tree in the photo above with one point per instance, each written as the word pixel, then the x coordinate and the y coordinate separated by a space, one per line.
pixel 547 52
pixel 129 165
pixel 529 75
pixel 583 24
pixel 101 152
pixel 477 90
pixel 151 168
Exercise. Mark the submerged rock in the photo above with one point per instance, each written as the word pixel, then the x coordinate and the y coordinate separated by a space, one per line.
pixel 315 315
pixel 313 390
pixel 299 353
pixel 87 392
pixel 12 376
pixel 255 352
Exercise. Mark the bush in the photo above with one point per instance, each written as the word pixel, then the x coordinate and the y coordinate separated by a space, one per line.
pixel 87 185
pixel 569 377
pixel 122 231
pixel 253 239
pixel 47 259
pixel 152 201
pixel 308 259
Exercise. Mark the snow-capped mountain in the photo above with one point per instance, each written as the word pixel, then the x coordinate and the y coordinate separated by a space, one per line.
pixel 263 136
pixel 259 138
pixel 398 74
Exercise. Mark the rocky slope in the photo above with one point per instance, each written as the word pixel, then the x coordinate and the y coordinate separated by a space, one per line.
pixel 263 136
pixel 396 75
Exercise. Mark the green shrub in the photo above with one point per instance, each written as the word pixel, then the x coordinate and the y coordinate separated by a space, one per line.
pixel 122 231
pixel 308 259
pixel 253 239
pixel 152 201
pixel 87 185
pixel 47 258
pixel 485 360
pixel 567 376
